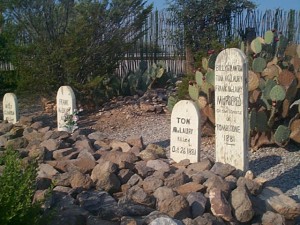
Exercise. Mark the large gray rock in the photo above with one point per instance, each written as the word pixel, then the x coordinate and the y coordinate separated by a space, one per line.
pixel 223 170
pixel 31 134
pixel 254 187
pixel 120 144
pixel 203 165
pixel 5 127
pixel 150 184
pixel 197 202
pixel 219 205
pixel 124 175
pixel 100 203
pixel 176 207
pixel 85 161
pixel 138 195
pixel 135 141
pixel 106 181
pixel 61 153
pixel 177 179
pixel 217 182
pixel 84 144
pixel 165 221
pixel 51 144
pixel 124 160
pixel 17 143
pixel 70 216
pixel 242 205
pixel 80 180
pixel 278 202
pixel 158 164
pixel 46 171
pixel 271 218
pixel 153 151
pixel 163 193
pixel 208 219
pixel 142 169
pixel 189 187
pixel 62 179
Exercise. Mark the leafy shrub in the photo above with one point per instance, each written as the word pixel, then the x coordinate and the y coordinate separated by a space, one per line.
pixel 17 186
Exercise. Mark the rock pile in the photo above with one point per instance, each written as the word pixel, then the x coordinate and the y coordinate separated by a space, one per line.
pixel 101 181
pixel 154 100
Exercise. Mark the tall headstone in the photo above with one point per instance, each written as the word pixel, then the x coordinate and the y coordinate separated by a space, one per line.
pixel 185 132
pixel 231 108
pixel 66 104
pixel 10 108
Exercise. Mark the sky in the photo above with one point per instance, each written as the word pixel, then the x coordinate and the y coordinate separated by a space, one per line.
pixel 262 4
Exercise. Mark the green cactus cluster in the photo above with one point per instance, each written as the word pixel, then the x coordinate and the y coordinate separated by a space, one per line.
pixel 274 82
pixel 145 77
pixel 272 59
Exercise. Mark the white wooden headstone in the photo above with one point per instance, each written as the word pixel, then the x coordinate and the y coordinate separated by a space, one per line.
pixel 10 108
pixel 66 104
pixel 231 108
pixel 185 132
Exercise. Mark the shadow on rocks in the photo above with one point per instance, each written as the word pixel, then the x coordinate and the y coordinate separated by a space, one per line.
pixel 258 166
pixel 164 143
pixel 288 180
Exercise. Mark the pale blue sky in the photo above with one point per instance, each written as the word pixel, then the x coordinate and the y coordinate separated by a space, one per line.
pixel 262 4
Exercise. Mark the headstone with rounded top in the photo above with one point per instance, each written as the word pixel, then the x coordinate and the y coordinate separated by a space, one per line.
pixel 66 104
pixel 10 108
pixel 185 131
pixel 231 108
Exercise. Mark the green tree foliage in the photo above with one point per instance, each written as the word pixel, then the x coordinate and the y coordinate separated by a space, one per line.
pixel 201 20
pixel 67 42
pixel 17 185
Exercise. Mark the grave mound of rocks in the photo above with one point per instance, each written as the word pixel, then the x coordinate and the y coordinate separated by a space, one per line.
pixel 101 181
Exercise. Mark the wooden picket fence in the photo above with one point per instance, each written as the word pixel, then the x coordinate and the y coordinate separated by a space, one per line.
pixel 158 42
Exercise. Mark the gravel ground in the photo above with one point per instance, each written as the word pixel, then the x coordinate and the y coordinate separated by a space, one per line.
pixel 280 166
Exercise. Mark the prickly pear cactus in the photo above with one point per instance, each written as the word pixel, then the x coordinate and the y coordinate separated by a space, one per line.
pixel 273 85
pixel 282 135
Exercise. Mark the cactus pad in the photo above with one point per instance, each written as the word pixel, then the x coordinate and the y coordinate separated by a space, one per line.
pixel 261 121
pixel 205 63
pixel 282 135
pixel 199 78
pixel 259 64
pixel 253 80
pixel 295 61
pixel 194 91
pixel 291 50
pixel 270 72
pixel 256 45
pixel 285 78
pixel 160 72
pixel 267 89
pixel 277 93
pixel 269 37
pixel 210 77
